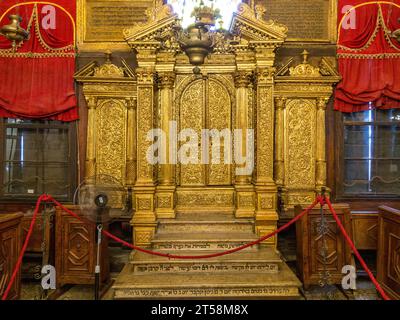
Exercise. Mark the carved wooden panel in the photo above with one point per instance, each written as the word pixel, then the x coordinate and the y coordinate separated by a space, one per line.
pixel 10 246
pixel 365 230
pixel 389 251
pixel 76 250
pixel 312 263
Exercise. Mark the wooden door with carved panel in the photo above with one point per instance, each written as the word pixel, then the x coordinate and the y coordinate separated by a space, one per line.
pixel 206 104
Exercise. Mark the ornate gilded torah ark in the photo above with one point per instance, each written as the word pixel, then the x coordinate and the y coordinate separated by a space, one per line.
pixel 239 87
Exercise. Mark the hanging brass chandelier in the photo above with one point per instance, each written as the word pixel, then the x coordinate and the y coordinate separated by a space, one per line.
pixel 198 40
pixel 13 31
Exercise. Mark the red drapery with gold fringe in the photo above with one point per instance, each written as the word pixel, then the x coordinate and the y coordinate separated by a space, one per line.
pixel 36 81
pixel 368 55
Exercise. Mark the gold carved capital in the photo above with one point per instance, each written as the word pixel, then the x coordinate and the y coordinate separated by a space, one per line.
pixel 321 103
pixel 145 76
pixel 242 79
pixel 131 103
pixel 265 75
pixel 280 103
pixel 166 80
pixel 91 102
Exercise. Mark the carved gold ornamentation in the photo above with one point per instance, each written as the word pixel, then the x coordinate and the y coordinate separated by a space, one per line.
pixel 279 164
pixel 166 80
pixel 212 198
pixel 300 160
pixel 305 69
pixel 144 204
pixel 242 79
pixel 246 201
pixel 219 118
pixel 111 136
pixel 256 17
pixel 192 116
pixel 109 70
pixel 265 138
pixel 145 114
pixel 164 202
pixel 267 202
pixel 154 15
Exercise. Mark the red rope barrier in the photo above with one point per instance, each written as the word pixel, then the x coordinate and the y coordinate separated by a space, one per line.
pixel 207 256
pixel 356 253
pixel 319 199
pixel 21 255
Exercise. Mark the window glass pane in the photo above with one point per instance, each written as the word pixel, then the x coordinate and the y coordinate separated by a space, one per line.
pixel 364 116
pixel 372 153
pixel 387 142
pixel 392 115
pixel 21 144
pixel 37 159
pixel 55 147
pixel 56 179
pixel 21 179
pixel 357 142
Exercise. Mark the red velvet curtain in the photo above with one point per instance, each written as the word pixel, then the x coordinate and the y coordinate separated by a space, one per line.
pixel 368 56
pixel 36 81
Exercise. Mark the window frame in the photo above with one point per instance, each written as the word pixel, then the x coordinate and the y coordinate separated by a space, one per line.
pixel 339 159
pixel 72 161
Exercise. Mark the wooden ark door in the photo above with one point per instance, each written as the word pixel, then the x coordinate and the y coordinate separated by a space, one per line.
pixel 206 104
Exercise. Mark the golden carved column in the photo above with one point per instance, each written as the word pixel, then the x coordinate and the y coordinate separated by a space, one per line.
pixel 265 187
pixel 144 218
pixel 131 143
pixel 90 165
pixel 245 197
pixel 279 164
pixel 165 203
pixel 320 156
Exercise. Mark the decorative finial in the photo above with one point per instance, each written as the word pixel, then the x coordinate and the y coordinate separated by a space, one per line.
pixel 260 11
pixel 305 55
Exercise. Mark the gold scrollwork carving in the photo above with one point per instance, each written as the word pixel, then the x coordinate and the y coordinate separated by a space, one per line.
pixel 300 159
pixel 111 135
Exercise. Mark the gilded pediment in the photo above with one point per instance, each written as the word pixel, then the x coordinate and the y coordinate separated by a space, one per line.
pixel 247 28
pixel 106 71
pixel 160 21
pixel 250 25
pixel 325 68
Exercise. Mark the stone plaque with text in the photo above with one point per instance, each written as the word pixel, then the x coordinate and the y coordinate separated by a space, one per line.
pixel 307 20
pixel 105 20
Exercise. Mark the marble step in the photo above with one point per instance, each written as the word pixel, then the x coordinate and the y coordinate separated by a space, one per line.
pixel 263 260
pixel 205 223
pixel 202 241
pixel 130 285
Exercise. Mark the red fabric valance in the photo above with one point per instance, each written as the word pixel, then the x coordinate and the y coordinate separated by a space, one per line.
pixel 36 81
pixel 368 56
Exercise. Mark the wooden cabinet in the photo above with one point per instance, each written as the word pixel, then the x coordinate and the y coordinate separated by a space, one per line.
pixel 311 261
pixel 40 250
pixel 10 247
pixel 76 250
pixel 388 262
pixel 365 230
